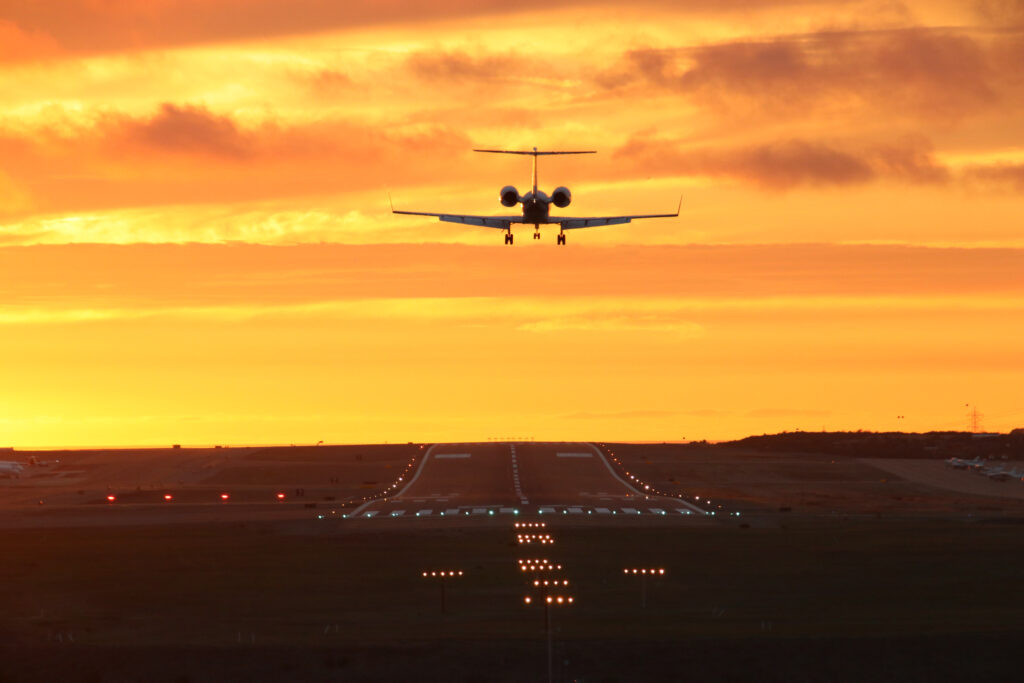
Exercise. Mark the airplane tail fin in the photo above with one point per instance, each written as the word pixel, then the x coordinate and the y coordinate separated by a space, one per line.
pixel 534 153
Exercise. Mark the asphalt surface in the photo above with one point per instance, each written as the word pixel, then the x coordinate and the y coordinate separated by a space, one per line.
pixel 519 478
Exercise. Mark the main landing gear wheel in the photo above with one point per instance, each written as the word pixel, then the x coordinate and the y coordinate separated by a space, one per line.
pixel 561 238
pixel 508 238
pixel 536 235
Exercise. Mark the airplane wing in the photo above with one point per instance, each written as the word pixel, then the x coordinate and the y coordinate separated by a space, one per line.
pixel 597 221
pixel 499 222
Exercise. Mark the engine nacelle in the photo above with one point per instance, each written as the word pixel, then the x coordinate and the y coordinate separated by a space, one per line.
pixel 561 197
pixel 509 196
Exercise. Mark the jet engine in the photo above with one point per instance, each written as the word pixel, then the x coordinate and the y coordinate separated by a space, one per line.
pixel 561 197
pixel 510 195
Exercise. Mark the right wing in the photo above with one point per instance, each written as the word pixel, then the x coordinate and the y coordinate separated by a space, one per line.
pixel 568 223
pixel 499 222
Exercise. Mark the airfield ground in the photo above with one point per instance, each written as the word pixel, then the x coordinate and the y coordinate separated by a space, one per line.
pixel 837 569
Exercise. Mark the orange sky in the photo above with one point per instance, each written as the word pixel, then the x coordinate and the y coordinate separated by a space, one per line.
pixel 195 243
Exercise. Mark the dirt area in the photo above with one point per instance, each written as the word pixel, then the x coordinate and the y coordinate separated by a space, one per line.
pixel 758 482
pixel 939 475
pixel 72 485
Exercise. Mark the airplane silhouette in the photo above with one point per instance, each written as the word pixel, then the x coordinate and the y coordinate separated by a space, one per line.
pixel 536 206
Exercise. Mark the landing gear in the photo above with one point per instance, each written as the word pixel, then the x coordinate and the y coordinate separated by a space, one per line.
pixel 536 235
pixel 508 238
pixel 561 238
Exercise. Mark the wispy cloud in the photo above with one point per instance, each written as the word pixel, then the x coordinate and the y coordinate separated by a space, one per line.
pixel 789 163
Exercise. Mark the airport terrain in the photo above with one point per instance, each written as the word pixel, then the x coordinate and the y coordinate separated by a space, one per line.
pixel 814 565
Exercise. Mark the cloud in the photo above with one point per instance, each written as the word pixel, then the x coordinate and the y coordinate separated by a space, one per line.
pixel 617 321
pixel 661 286
pixel 622 415
pixel 1001 13
pixel 457 65
pixel 89 26
pixel 190 128
pixel 789 163
pixel 787 412
pixel 936 73
pixel 329 81
pixel 187 153
pixel 18 44
pixel 1005 175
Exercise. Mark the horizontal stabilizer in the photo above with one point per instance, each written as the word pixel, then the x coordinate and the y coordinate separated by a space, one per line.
pixel 534 153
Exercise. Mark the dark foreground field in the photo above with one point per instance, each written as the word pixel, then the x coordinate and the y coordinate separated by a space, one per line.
pixel 918 600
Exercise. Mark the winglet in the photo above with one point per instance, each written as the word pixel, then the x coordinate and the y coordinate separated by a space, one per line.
pixel 391 203
pixel 680 204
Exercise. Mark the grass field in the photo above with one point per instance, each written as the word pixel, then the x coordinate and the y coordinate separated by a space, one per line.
pixel 326 601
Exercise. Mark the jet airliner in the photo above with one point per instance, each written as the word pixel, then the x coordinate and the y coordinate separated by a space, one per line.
pixel 536 206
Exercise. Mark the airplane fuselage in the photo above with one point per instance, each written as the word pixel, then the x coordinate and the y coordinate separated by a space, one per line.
pixel 536 208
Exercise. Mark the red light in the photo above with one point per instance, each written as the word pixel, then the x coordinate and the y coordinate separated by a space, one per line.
pixel 224 496
pixel 111 498
pixel 280 496
pixel 168 497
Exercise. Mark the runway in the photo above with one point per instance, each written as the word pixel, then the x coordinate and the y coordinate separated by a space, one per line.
pixel 526 478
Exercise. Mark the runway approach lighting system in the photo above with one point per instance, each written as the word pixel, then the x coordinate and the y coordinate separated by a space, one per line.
pixel 549 600
pixel 644 574
pixel 538 565
pixel 536 206
pixel 543 539
pixel 443 575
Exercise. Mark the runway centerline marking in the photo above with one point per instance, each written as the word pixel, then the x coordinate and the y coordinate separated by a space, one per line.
pixel 452 455
pixel 574 455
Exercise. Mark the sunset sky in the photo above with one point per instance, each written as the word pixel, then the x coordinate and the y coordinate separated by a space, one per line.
pixel 196 245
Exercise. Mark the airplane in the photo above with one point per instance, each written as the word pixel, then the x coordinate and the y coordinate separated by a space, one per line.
pixel 1000 473
pixel 9 468
pixel 961 464
pixel 536 206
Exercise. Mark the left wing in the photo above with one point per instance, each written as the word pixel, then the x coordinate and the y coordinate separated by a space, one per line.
pixel 597 221
pixel 500 222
